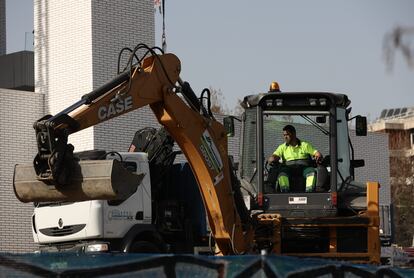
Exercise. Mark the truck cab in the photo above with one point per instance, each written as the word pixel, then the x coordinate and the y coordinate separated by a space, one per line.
pixel 147 221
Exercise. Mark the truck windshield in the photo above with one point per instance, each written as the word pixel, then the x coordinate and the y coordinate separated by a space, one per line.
pixel 313 128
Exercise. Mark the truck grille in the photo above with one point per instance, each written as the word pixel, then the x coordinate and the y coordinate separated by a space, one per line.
pixel 64 231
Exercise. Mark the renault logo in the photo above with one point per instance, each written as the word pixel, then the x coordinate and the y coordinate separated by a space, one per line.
pixel 60 223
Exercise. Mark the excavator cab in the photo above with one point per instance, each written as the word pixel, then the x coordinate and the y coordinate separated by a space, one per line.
pixel 320 119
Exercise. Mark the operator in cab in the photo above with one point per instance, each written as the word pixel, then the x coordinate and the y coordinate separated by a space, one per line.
pixel 296 156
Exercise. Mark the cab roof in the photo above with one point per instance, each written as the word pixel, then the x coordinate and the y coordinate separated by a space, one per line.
pixel 332 99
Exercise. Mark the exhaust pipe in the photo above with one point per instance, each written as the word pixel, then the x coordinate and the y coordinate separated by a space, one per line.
pixel 91 180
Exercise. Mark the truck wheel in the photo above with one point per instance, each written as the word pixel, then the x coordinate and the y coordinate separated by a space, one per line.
pixel 144 247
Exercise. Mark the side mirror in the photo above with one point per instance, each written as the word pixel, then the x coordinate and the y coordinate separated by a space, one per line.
pixel 357 163
pixel 228 123
pixel 361 126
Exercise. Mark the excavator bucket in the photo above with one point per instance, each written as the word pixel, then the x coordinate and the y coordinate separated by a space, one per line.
pixel 91 180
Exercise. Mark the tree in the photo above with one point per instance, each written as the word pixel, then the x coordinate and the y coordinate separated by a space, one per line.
pixel 218 102
pixel 399 39
pixel 238 109
pixel 219 106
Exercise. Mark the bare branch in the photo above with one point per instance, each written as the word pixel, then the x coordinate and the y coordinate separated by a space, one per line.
pixel 399 39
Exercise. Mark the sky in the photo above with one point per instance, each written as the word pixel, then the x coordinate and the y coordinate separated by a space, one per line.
pixel 240 47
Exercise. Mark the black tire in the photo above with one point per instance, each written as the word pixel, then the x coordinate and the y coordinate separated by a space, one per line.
pixel 144 247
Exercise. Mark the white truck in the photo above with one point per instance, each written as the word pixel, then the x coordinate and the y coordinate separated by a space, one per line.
pixel 165 214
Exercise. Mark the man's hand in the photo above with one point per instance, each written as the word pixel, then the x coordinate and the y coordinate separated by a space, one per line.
pixel 273 159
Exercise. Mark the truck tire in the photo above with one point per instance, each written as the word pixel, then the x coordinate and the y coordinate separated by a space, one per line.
pixel 144 247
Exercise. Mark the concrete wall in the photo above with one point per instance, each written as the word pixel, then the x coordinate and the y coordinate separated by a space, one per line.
pixel 114 27
pixel 63 55
pixel 17 71
pixel 373 148
pixel 2 27
pixel 18 111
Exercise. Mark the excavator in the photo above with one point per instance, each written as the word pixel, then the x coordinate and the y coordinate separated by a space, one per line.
pixel 247 213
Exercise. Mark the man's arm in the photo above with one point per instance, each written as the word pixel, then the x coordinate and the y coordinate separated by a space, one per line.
pixel 278 153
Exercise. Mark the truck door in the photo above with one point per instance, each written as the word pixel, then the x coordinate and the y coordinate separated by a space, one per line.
pixel 121 215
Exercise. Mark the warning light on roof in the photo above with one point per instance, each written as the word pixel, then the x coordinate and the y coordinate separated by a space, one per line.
pixel 274 87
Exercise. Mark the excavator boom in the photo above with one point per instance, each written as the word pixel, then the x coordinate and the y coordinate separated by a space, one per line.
pixel 57 176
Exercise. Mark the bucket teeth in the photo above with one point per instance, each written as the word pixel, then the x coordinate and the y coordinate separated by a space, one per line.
pixel 91 180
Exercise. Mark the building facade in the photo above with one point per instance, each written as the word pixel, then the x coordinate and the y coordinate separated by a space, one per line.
pixel 398 125
pixel 18 111
pixel 76 50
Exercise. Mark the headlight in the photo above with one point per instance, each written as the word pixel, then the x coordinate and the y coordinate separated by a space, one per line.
pixel 97 247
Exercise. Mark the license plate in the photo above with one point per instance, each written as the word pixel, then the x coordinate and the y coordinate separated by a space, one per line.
pixel 298 200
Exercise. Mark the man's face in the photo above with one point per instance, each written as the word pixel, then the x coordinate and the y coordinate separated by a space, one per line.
pixel 288 136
